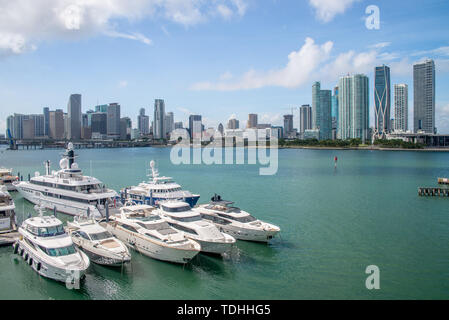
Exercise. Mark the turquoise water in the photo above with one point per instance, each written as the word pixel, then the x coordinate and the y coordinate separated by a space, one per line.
pixel 334 224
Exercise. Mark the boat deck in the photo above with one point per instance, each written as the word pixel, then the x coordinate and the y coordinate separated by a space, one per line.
pixel 8 238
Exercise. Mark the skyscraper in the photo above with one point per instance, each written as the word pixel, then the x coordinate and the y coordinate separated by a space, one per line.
pixel 353 107
pixel 195 126
pixel 57 124
pixel 400 107
pixel 169 123
pixel 382 101
pixel 424 96
pixel 233 124
pixel 46 121
pixel 74 117
pixel 113 127
pixel 335 109
pixel 305 118
pixel 143 122
pixel 322 111
pixel 288 125
pixel 159 119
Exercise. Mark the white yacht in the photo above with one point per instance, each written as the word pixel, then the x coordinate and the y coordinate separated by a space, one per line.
pixel 68 190
pixel 150 235
pixel 49 251
pixel 158 189
pixel 7 212
pixel 7 179
pixel 99 244
pixel 236 222
pixel 180 216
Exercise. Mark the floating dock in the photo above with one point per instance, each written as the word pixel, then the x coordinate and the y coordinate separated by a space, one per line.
pixel 8 238
pixel 433 192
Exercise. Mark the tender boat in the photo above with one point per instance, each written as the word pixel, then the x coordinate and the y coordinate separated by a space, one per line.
pixel 180 216
pixel 7 212
pixel 147 233
pixel 158 189
pixel 236 222
pixel 49 250
pixel 7 179
pixel 68 190
pixel 99 244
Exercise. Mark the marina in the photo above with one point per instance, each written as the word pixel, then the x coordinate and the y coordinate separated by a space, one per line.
pixel 309 249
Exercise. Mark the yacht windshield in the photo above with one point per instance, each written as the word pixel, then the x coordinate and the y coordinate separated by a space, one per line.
pixel 100 236
pixel 59 252
pixel 245 219
pixel 50 231
pixel 178 209
pixel 188 219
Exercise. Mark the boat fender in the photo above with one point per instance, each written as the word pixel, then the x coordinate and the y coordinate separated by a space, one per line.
pixel 26 256
pixel 30 262
pixel 38 266
pixel 21 252
pixel 16 248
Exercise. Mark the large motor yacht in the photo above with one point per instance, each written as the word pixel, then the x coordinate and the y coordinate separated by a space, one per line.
pixel 180 216
pixel 68 190
pixel 7 179
pixel 7 213
pixel 147 233
pixel 236 222
pixel 158 189
pixel 99 244
pixel 49 251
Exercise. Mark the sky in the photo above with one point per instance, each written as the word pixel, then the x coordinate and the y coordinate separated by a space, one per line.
pixel 217 58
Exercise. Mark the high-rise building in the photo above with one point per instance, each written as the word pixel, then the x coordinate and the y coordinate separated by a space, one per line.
pixel 57 124
pixel 424 97
pixel 46 121
pixel 169 123
pixel 179 125
pixel 252 121
pixel 99 124
pixel 195 126
pixel 353 107
pixel 322 111
pixel 382 101
pixel 305 118
pixel 221 128
pixel 233 124
pixel 74 117
pixel 102 108
pixel 335 108
pixel 288 125
pixel 125 128
pixel 143 122
pixel 113 127
pixel 159 119
pixel 400 107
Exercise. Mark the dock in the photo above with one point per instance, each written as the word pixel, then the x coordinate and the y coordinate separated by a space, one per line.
pixel 443 181
pixel 9 238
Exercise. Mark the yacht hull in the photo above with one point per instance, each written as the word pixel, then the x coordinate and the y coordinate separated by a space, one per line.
pixel 70 276
pixel 105 260
pixel 152 249
pixel 248 234
pixel 215 247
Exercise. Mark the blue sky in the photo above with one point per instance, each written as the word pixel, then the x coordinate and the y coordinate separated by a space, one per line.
pixel 216 58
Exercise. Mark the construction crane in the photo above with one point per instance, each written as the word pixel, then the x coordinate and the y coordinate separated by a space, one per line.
pixel 12 143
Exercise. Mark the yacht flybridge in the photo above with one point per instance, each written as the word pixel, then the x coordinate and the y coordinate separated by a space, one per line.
pixel 236 222
pixel 7 179
pixel 7 214
pixel 68 190
pixel 158 189
pixel 49 251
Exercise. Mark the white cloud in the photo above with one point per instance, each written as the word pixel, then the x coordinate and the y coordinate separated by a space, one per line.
pixel 123 84
pixel 301 64
pixel 441 51
pixel 24 23
pixel 326 10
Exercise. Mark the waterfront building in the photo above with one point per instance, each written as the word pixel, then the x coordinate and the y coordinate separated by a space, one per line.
pixel 102 108
pixel 401 107
pixel 179 125
pixel 322 111
pixel 305 118
pixel 382 101
pixel 113 122
pixel 46 113
pixel 424 97
pixel 74 117
pixel 311 134
pixel 353 107
pixel 195 126
pixel 143 123
pixel 159 131
pixel 252 121
pixel 99 123
pixel 125 128
pixel 233 124
pixel 169 123
pixel 334 113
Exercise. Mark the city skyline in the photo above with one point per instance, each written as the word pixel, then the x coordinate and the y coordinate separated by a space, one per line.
pixel 134 73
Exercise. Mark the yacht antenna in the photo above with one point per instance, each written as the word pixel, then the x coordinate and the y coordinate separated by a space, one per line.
pixel 154 172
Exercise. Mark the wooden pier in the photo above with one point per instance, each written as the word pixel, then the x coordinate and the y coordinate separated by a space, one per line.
pixel 9 238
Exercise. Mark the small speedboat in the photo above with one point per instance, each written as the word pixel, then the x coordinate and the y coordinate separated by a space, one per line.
pixel 49 250
pixel 238 223
pixel 99 244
